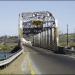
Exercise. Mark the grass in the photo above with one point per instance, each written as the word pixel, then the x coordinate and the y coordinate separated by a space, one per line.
pixel 7 47
pixel 70 44
pixel 63 40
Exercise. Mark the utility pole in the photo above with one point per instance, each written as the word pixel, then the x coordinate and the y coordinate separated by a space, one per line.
pixel 67 35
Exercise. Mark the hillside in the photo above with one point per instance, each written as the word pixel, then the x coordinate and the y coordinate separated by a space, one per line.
pixel 63 39
pixel 7 43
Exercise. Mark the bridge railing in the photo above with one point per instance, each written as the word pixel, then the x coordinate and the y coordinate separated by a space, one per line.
pixel 11 58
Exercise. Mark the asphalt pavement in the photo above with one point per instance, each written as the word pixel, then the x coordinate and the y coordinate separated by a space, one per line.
pixel 50 63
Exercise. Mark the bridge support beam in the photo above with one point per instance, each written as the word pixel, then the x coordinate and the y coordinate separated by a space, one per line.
pixel 54 38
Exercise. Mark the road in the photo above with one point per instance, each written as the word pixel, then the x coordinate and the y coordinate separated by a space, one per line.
pixel 40 61
pixel 50 63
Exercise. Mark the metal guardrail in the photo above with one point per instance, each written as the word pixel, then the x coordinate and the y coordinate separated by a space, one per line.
pixel 69 51
pixel 10 59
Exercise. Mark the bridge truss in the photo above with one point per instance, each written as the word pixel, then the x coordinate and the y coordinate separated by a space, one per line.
pixel 40 28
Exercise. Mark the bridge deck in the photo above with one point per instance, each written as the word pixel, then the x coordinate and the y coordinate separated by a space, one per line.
pixel 49 63
pixel 36 61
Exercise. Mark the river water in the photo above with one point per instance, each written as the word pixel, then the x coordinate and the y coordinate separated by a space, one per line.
pixel 5 55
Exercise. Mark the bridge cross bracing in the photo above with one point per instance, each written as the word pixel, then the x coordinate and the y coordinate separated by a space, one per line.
pixel 48 28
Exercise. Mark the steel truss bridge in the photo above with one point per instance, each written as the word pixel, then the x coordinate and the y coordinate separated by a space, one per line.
pixel 38 32
pixel 40 28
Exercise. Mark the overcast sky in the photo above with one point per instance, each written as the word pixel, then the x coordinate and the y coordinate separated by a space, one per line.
pixel 63 11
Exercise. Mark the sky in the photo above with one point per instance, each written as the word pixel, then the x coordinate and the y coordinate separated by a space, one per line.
pixel 63 11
